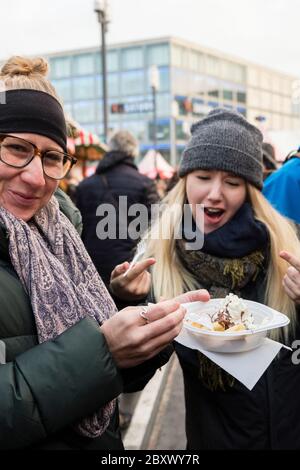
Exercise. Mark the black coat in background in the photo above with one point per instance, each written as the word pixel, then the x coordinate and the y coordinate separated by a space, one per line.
pixel 116 175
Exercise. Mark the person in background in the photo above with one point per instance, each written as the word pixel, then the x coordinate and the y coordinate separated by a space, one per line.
pixel 250 250
pixel 282 187
pixel 65 352
pixel 269 161
pixel 116 175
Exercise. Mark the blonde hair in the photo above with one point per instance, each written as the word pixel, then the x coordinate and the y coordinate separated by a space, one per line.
pixel 170 278
pixel 25 73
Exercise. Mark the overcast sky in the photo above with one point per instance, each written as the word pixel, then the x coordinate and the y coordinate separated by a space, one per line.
pixel 262 31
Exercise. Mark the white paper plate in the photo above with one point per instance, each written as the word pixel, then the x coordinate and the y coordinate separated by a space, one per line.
pixel 265 317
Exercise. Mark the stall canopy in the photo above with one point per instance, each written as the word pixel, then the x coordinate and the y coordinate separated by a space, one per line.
pixel 153 164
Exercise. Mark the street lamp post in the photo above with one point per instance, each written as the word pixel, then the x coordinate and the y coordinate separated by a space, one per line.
pixel 101 8
pixel 154 83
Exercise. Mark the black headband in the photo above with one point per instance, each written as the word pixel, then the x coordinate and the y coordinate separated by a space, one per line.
pixel 33 111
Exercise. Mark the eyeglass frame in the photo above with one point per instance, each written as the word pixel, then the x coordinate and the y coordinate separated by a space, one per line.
pixel 40 153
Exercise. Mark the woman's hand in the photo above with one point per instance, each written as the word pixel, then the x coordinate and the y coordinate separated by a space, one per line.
pixel 132 340
pixel 133 285
pixel 291 281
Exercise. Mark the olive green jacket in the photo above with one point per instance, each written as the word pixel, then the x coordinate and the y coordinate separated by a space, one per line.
pixel 46 388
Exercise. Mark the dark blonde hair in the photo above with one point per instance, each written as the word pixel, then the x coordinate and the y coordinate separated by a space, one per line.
pixel 25 73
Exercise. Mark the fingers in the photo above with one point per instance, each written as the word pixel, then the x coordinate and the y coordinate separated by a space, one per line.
pixel 119 269
pixel 291 259
pixel 138 269
pixel 291 287
pixel 161 309
pixel 193 296
pixel 170 325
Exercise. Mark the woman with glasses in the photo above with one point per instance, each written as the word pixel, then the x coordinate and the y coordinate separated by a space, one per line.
pixel 65 353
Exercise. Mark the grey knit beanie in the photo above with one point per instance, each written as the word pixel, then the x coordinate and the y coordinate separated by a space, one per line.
pixel 224 140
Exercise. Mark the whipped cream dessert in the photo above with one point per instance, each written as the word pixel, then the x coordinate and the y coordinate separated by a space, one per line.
pixel 233 312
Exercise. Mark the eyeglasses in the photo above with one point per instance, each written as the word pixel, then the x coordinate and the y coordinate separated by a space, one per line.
pixel 18 153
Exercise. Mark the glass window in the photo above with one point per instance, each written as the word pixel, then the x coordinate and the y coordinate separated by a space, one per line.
pixel 194 60
pixel 162 129
pixel 68 109
pixel 265 80
pixel 181 79
pixel 112 62
pixel 253 97
pixel 63 88
pixel 180 56
pixel 132 82
pixel 212 65
pixel 137 128
pixel 83 64
pixel 228 95
pixel 253 76
pixel 197 61
pixel 60 67
pixel 132 58
pixel 265 100
pixel 164 79
pixel 112 84
pixel 213 87
pixel 239 73
pixel 83 88
pixel 241 97
pixel 163 104
pixel 158 54
pixel 84 111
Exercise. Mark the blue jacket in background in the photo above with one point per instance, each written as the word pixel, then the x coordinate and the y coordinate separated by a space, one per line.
pixel 282 189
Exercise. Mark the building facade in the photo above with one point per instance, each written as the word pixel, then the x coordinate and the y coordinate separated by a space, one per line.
pixel 192 81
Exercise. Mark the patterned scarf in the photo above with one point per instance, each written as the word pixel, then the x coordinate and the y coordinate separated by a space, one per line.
pixel 61 281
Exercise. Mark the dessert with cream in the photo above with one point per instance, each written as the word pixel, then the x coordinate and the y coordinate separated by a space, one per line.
pixel 232 315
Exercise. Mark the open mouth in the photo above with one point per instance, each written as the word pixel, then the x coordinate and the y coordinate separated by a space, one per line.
pixel 213 213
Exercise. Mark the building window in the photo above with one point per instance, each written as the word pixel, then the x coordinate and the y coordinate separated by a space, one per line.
pixel 112 62
pixel 112 84
pixel 137 128
pixel 228 95
pixel 84 111
pixel 212 65
pixel 158 54
pixel 83 88
pixel 163 104
pixel 241 97
pixel 63 88
pixel 164 79
pixel 132 82
pixel 132 58
pixel 213 87
pixel 162 129
pixel 60 67
pixel 84 64
pixel 180 56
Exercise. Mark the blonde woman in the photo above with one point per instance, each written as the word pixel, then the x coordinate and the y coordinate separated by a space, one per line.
pixel 249 249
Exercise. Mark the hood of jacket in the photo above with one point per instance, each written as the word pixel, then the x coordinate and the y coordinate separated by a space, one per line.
pixel 114 158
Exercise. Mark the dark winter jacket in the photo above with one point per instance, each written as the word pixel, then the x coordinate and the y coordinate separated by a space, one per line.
pixel 265 418
pixel 116 175
pixel 46 388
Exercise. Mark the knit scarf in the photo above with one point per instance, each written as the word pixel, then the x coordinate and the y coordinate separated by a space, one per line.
pixel 222 275
pixel 61 281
